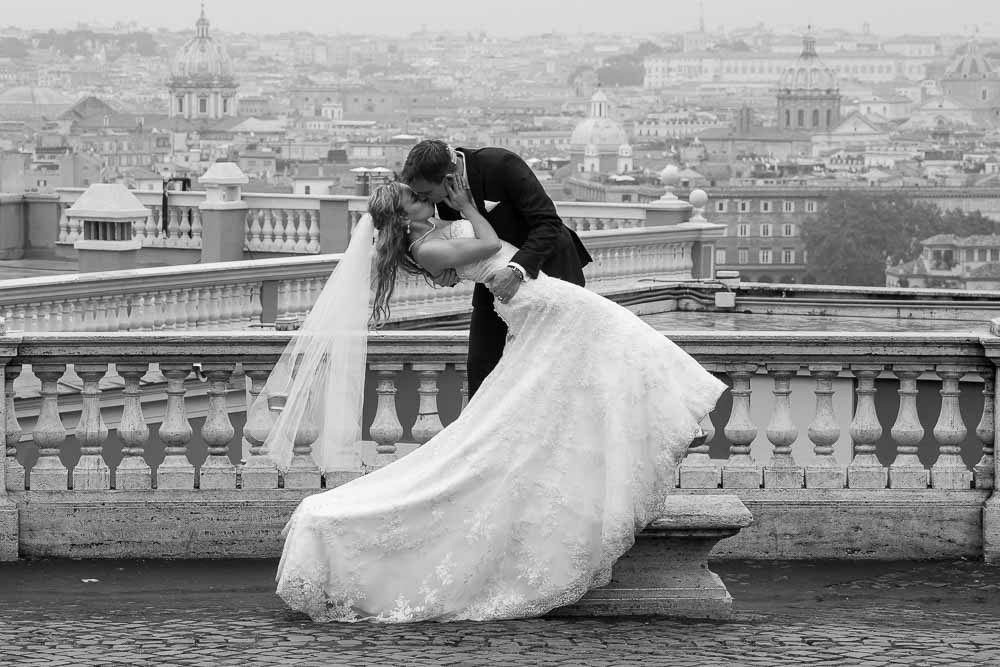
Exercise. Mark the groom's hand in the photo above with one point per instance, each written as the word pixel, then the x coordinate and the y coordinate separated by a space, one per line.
pixel 504 284
pixel 447 278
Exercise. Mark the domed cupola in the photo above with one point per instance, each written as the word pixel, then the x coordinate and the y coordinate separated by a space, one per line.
pixel 808 95
pixel 201 82
pixel 598 139
pixel 972 78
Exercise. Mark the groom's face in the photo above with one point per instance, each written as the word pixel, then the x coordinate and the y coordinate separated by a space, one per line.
pixel 432 192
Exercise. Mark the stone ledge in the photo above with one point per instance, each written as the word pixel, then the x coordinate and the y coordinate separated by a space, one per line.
pixel 666 572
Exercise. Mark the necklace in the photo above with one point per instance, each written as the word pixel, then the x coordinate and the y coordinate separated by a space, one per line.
pixel 424 235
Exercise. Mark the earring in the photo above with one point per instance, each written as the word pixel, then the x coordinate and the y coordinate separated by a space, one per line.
pixel 407 226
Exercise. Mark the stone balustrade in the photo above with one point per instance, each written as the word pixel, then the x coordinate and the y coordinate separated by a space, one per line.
pixel 182 228
pixel 239 294
pixel 290 224
pixel 875 445
pixel 282 223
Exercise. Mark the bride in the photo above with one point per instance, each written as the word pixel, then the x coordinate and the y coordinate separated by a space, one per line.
pixel 526 500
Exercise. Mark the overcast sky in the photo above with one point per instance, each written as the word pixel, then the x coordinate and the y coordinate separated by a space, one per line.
pixel 512 17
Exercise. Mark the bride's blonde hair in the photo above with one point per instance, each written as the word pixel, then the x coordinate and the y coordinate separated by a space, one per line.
pixel 392 249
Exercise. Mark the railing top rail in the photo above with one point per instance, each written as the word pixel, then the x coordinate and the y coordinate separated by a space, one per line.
pixel 758 347
pixel 852 292
pixel 129 281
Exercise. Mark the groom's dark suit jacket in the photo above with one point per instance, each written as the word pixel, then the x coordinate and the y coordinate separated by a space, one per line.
pixel 525 217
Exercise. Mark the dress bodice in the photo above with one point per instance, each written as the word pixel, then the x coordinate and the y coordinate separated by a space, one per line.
pixel 484 268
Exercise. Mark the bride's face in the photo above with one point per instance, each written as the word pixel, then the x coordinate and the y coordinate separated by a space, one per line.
pixel 417 209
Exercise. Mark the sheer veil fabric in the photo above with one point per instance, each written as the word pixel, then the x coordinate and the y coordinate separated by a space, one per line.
pixel 320 375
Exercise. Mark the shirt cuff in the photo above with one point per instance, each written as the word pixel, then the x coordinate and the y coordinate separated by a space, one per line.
pixel 521 269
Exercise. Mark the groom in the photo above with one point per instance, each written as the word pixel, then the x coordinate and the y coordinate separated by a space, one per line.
pixel 509 196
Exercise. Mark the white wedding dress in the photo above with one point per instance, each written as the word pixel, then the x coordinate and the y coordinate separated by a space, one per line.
pixel 526 500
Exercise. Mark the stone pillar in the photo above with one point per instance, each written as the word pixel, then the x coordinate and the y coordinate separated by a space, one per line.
pixel 991 509
pixel 12 218
pixel 668 209
pixel 223 213
pixel 334 225
pixel 8 510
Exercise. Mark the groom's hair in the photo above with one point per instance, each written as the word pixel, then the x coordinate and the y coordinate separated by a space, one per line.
pixel 430 160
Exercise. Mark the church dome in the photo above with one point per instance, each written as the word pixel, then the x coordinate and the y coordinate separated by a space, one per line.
pixel 599 132
pixel 201 60
pixel 599 129
pixel 970 65
pixel 808 73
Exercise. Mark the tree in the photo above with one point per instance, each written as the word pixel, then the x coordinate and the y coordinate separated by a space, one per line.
pixel 856 234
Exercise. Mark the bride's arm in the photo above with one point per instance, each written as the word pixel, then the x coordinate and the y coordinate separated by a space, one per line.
pixel 435 255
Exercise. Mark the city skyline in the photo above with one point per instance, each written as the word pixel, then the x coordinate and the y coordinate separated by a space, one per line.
pixel 507 18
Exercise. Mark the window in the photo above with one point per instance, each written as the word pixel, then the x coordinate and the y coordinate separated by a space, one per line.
pixel 810 207
pixel 743 256
pixel 788 229
pixel 802 117
pixel 308 190
pixel 788 118
pixel 765 207
pixel 970 255
pixel 743 229
pixel 982 254
pixel 225 105
pixel 202 105
pixel 720 206
pixel 180 104
pixel 787 207
pixel 788 256
pixel 815 118
pixel 744 206
pixel 626 199
pixel 720 255
pixel 765 229
pixel 765 255
pixel 994 254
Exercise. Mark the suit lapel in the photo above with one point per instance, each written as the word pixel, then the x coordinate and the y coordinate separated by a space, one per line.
pixel 475 178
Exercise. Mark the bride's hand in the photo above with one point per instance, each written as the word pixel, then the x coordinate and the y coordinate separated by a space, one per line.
pixel 456 197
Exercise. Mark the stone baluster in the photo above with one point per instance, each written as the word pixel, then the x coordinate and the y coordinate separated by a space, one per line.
pixel 949 471
pixel 197 227
pixel 782 472
pixel 253 229
pixel 259 470
pixel 91 473
pixel 133 473
pixel 312 243
pixel 175 317
pixel 696 470
pixel 44 317
pixel 428 422
pixel 218 472
pixel 303 473
pixel 865 470
pixel 386 430
pixel 190 307
pixel 741 471
pixel 301 235
pixel 109 322
pixel 173 227
pixel 49 473
pixel 57 319
pixel 463 373
pixel 269 230
pixel 158 302
pixel 256 307
pixel 139 231
pixel 176 471
pixel 824 472
pixel 152 228
pixel 184 228
pixel 906 470
pixel 984 472
pixel 14 472
pixel 210 296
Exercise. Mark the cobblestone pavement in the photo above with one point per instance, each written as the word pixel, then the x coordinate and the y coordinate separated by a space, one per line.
pixel 225 613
